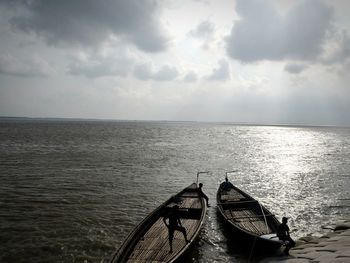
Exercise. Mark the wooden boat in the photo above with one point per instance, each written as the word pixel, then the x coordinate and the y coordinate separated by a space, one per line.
pixel 149 241
pixel 253 224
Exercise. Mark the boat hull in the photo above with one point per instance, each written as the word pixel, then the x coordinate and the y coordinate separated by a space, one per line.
pixel 252 225
pixel 149 241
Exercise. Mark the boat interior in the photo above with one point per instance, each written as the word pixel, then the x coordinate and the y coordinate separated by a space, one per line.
pixel 153 245
pixel 247 213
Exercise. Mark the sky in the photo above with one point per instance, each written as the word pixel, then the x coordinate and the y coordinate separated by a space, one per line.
pixel 242 61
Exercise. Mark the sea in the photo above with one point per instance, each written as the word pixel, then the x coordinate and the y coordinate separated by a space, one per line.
pixel 72 190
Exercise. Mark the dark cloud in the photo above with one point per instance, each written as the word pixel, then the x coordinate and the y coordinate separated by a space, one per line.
pixel 165 73
pixel 295 68
pixel 24 67
pixel 262 33
pixel 90 22
pixel 221 73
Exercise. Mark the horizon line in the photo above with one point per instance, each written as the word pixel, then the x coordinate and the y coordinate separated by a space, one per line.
pixel 2 118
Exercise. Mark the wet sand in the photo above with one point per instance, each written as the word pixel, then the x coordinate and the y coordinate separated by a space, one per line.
pixel 333 247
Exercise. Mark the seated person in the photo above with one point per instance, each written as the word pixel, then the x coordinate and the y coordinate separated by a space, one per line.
pixel 283 234
pixel 202 194
pixel 226 185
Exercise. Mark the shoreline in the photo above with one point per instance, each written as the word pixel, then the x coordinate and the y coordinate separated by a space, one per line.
pixel 334 247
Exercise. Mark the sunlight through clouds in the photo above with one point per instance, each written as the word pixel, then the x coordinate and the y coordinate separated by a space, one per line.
pixel 238 61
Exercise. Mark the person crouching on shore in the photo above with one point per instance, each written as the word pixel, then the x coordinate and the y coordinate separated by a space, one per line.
pixel 283 234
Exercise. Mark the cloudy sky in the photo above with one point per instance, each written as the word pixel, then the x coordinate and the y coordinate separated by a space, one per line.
pixel 245 61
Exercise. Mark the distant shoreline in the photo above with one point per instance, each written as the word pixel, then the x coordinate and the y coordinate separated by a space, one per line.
pixel 60 119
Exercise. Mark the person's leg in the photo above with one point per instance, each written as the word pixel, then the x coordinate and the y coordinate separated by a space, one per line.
pixel 286 250
pixel 289 244
pixel 183 231
pixel 171 236
pixel 286 245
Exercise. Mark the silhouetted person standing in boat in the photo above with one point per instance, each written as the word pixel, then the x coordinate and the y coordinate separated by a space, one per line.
pixel 226 185
pixel 174 224
pixel 201 194
pixel 283 234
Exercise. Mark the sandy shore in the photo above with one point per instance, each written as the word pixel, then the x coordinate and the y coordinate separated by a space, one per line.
pixel 331 248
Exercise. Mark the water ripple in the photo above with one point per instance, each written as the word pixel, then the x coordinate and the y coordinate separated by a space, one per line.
pixel 72 191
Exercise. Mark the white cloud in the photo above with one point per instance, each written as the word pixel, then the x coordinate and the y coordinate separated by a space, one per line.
pixel 337 49
pixel 204 30
pixel 143 72
pixel 220 73
pixel 33 66
pixel 190 77
pixel 166 73
pixel 146 72
pixel 99 65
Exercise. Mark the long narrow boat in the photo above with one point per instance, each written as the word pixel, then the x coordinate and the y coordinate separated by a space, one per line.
pixel 149 241
pixel 254 225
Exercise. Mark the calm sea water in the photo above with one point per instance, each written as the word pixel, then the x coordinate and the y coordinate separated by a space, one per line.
pixel 71 191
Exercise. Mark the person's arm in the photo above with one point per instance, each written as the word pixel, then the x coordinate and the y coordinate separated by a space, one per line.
pixel 179 221
pixel 164 220
pixel 287 231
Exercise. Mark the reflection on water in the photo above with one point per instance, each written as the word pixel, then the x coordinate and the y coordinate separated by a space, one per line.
pixel 297 165
pixel 72 191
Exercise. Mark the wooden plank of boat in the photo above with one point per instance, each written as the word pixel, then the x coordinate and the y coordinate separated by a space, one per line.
pixel 149 241
pixel 248 217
